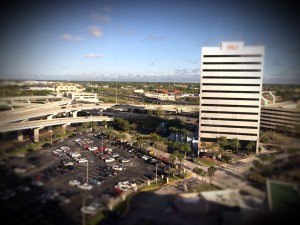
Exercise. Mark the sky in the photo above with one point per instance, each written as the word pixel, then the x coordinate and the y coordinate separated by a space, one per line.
pixel 126 40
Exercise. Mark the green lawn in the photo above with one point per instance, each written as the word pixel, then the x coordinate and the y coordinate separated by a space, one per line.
pixel 205 187
pixel 96 218
pixel 209 162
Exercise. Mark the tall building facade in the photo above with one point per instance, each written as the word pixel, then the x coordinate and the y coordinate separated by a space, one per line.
pixel 230 92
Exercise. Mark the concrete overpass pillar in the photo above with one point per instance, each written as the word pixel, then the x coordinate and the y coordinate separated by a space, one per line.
pixel 64 128
pixel 36 133
pixel 257 146
pixel 50 117
pixel 49 129
pixel 20 135
pixel 101 112
pixel 75 113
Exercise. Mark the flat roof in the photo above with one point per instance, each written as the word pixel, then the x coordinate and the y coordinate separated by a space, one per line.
pixel 282 196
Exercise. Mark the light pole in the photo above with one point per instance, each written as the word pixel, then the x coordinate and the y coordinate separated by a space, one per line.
pixel 116 92
pixel 87 171
pixel 82 210
pixel 102 143
pixel 156 174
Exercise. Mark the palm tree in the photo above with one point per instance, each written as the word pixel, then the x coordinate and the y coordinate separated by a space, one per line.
pixel 122 136
pixel 203 174
pixel 185 148
pixel 198 171
pixel 203 144
pixel 235 144
pixel 185 133
pixel 180 158
pixel 249 146
pixel 211 172
pixel 172 158
pixel 222 142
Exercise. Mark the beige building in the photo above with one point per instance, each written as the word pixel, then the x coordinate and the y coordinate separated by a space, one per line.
pixel 230 92
pixel 281 116
pixel 82 96
pixel 68 88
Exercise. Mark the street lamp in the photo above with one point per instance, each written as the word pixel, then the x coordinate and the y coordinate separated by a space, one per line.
pixel 83 208
pixel 102 142
pixel 156 174
pixel 87 171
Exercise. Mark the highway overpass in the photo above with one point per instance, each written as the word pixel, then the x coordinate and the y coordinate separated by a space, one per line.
pixel 40 124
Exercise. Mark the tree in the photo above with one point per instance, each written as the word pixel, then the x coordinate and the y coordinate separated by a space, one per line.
pixel 222 142
pixel 133 126
pixel 185 148
pixel 211 172
pixel 122 136
pixel 257 164
pixel 235 144
pixel 155 137
pixel 250 146
pixel 172 158
pixel 121 124
pixel 180 158
pixel 203 145
pixel 139 141
pixel 161 146
pixel 265 139
pixel 198 171
pixel 58 132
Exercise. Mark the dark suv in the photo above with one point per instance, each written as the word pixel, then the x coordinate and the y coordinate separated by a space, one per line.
pixel 46 145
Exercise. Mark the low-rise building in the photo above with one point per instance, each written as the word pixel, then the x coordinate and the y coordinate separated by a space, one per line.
pixel 82 96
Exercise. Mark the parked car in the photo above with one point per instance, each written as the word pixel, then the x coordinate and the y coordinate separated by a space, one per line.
pixel 125 160
pixel 85 186
pixel 91 209
pixel 115 155
pixel 46 145
pixel 109 159
pixel 74 182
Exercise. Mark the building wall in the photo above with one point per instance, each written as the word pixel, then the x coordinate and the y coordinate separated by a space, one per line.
pixel 272 117
pixel 230 91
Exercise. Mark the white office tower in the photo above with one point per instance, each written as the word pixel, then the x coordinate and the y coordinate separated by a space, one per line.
pixel 230 92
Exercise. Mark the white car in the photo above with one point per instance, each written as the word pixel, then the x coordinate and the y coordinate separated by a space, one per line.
pixel 20 170
pixel 91 209
pixel 67 163
pixel 65 148
pixel 78 139
pixel 125 185
pixel 115 155
pixel 74 182
pixel 85 186
pixel 110 159
pixel 82 160
pixel 93 148
pixel 116 167
pixel 75 155
pixel 125 160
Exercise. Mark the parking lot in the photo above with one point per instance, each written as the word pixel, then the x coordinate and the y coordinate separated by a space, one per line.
pixel 43 180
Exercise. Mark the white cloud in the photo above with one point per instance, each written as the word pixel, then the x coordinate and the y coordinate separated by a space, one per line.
pixel 68 37
pixel 92 56
pixel 154 38
pixel 96 31
pixel 99 17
